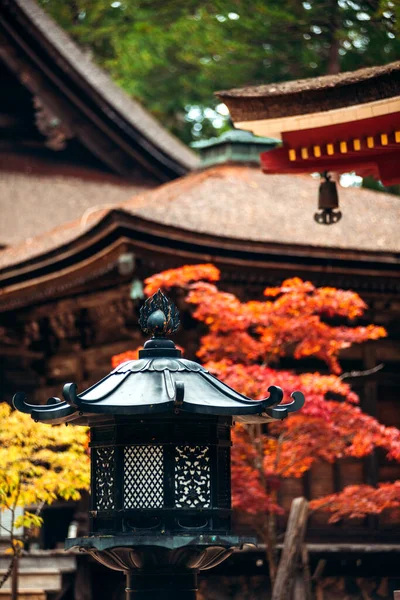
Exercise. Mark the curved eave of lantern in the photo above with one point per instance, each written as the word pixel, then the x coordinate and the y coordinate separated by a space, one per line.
pixel 159 385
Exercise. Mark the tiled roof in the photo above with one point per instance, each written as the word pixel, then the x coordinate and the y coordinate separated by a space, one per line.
pixel 241 202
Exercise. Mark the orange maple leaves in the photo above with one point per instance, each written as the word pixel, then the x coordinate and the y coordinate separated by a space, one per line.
pixel 357 501
pixel 180 277
pixel 296 322
pixel 243 346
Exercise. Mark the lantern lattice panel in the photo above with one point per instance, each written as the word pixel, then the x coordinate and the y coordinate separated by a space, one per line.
pixel 105 478
pixel 192 477
pixel 143 477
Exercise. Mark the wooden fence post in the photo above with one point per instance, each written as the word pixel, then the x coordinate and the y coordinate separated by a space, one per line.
pixel 292 545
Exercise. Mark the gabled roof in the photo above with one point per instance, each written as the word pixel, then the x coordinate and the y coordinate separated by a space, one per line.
pixel 89 105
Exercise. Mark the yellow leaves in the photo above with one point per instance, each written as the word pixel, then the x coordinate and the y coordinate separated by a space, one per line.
pixel 39 463
pixel 16 547
pixel 28 520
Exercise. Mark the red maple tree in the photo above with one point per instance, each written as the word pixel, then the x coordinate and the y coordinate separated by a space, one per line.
pixel 243 346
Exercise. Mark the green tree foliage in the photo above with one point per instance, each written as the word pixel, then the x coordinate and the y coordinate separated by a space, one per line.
pixel 173 55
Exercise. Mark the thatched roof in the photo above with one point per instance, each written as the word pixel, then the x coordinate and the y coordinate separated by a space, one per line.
pixel 241 203
pixel 33 203
pixel 313 95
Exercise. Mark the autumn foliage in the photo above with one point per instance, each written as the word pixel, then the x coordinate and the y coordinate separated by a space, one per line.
pixel 243 346
pixel 38 464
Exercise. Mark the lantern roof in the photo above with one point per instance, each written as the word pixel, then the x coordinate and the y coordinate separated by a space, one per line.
pixel 160 381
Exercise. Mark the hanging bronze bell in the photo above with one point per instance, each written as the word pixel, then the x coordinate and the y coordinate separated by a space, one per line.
pixel 328 200
pixel 328 195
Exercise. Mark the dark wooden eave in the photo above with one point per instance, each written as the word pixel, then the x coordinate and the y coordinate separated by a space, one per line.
pixel 114 128
pixel 314 95
pixel 96 252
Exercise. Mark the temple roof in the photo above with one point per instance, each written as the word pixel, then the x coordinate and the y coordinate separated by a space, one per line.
pixel 36 202
pixel 313 95
pixel 231 215
pixel 77 104
pixel 341 123
pixel 271 209
pixel 236 136
pixel 233 146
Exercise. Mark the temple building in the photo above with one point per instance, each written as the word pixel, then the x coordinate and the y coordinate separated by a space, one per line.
pixel 98 196
pixel 69 299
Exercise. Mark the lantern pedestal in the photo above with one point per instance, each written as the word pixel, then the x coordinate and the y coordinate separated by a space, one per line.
pixel 160 567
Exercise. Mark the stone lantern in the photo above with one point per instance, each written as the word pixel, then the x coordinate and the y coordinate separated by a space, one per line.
pixel 160 430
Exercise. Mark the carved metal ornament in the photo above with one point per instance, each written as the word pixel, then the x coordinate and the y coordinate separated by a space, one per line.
pixel 159 316
pixel 128 553
pixel 192 477
pixel 104 478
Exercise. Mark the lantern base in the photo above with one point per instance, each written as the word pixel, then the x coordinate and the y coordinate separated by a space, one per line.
pixel 157 552
pixel 161 586
pixel 160 567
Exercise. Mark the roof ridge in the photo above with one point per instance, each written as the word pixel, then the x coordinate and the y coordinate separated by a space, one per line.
pixel 293 86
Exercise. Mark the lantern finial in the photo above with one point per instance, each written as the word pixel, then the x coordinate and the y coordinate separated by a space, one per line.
pixel 159 316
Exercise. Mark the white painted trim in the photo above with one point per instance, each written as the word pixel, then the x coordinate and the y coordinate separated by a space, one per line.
pixel 275 127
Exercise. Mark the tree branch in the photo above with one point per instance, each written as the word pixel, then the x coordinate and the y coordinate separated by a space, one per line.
pixel 7 574
pixel 14 548
pixel 351 374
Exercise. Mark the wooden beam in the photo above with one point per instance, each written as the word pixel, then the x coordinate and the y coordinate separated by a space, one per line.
pixel 20 352
pixel 342 548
